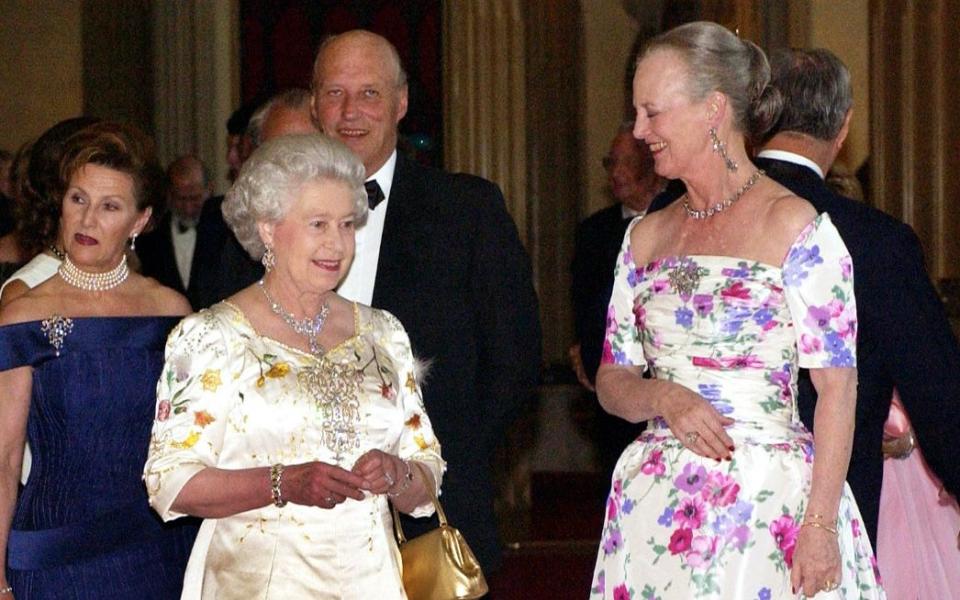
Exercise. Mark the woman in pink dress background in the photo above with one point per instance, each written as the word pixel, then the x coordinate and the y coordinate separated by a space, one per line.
pixel 918 546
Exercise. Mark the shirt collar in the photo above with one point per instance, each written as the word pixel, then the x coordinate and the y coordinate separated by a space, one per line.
pixel 792 157
pixel 384 176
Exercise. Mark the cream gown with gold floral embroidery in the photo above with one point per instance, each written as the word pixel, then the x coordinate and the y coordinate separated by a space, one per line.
pixel 232 399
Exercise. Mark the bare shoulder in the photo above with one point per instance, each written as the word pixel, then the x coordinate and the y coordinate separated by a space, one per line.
pixel 788 215
pixel 31 305
pixel 163 301
pixel 12 291
pixel 647 235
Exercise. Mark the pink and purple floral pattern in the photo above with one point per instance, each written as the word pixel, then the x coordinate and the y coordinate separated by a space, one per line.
pixel 736 332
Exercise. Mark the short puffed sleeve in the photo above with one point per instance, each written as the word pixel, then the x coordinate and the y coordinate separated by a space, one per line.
pixel 622 343
pixel 818 285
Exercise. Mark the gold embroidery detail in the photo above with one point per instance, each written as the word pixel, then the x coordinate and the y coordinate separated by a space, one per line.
pixel 211 380
pixel 411 383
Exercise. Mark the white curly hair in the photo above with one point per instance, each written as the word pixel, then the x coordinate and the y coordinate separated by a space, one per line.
pixel 270 179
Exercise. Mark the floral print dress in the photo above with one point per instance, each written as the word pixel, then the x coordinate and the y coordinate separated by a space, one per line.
pixel 679 525
pixel 232 399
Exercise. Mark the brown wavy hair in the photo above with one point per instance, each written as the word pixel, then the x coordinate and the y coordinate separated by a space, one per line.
pixel 122 148
pixel 38 191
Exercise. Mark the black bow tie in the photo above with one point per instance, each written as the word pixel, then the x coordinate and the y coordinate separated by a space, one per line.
pixel 374 193
pixel 183 227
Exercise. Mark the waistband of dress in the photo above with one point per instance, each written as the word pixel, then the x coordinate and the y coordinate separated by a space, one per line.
pixel 44 548
pixel 759 432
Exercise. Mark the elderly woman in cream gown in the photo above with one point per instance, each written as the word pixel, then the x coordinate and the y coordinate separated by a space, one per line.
pixel 288 417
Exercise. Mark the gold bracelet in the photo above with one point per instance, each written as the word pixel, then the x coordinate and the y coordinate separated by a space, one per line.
pixel 832 530
pixel 276 476
pixel 816 517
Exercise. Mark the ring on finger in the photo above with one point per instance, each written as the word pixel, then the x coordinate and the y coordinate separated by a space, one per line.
pixel 830 585
pixel 329 500
pixel 389 479
pixel 691 437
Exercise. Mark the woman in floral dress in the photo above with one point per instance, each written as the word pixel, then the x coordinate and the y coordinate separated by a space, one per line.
pixel 723 296
pixel 287 417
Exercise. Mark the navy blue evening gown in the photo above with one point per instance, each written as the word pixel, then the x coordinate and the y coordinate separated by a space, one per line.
pixel 82 526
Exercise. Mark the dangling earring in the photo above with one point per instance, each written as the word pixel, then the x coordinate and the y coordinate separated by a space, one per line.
pixel 269 259
pixel 133 241
pixel 721 148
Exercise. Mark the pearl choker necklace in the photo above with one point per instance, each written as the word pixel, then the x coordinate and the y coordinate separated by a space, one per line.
pixel 93 282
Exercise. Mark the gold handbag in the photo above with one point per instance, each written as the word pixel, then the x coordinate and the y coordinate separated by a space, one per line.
pixel 439 564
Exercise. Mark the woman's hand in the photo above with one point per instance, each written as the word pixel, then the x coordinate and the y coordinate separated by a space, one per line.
pixel 320 484
pixel 696 423
pixel 381 472
pixel 816 562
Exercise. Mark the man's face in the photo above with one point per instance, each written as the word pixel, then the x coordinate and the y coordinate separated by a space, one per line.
pixel 624 166
pixel 187 195
pixel 356 98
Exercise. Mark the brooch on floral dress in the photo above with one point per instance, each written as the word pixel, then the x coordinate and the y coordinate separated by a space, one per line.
pixel 57 328
pixel 685 277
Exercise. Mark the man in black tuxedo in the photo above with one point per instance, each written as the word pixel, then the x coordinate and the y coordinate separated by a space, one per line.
pixel 175 252
pixel 632 182
pixel 440 252
pixel 904 339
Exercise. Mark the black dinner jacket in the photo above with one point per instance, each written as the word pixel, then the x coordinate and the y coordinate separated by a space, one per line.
pixel 229 268
pixel 599 239
pixel 904 339
pixel 158 259
pixel 453 270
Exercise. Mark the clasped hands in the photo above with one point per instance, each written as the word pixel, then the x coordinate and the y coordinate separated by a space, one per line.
pixel 327 485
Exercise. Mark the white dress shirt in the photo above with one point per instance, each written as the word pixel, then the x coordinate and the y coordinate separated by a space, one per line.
pixel 791 157
pixel 183 247
pixel 357 286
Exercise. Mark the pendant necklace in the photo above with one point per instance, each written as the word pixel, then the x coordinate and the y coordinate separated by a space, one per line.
pixel 308 327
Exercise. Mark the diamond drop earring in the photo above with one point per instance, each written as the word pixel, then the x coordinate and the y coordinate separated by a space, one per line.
pixel 721 148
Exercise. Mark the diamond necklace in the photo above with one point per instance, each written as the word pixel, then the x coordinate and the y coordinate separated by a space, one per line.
pixel 309 327
pixel 93 282
pixel 724 204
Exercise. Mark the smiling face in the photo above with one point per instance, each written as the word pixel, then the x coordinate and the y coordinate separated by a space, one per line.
pixel 672 125
pixel 314 242
pixel 99 213
pixel 357 97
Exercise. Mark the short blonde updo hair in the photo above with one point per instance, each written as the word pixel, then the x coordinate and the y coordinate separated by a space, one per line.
pixel 270 179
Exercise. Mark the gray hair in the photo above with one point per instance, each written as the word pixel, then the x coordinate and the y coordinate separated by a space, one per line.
pixel 270 179
pixel 293 98
pixel 816 88
pixel 717 60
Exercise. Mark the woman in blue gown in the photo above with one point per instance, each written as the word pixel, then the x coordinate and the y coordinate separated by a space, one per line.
pixel 80 355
